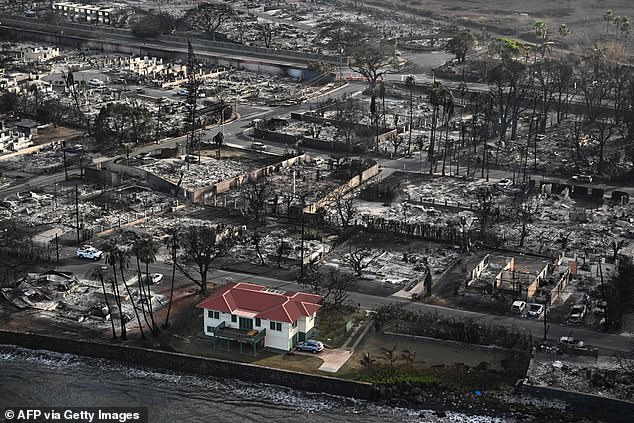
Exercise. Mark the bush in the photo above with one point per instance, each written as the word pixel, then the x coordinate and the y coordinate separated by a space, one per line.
pixel 463 330
pixel 151 26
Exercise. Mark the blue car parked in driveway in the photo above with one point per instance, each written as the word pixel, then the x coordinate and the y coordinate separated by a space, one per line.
pixel 310 346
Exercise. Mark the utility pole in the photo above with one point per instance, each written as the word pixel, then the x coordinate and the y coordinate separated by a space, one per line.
pixel 546 325
pixel 65 165
pixel 192 96
pixel 77 213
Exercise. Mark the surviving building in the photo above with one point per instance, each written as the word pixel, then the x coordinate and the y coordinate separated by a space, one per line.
pixel 259 316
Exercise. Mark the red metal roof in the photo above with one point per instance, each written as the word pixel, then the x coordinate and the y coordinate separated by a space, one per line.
pixel 267 303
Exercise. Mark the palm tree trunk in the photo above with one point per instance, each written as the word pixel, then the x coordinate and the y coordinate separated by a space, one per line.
pixel 169 307
pixel 115 286
pixel 155 328
pixel 136 313
pixel 142 294
pixel 105 296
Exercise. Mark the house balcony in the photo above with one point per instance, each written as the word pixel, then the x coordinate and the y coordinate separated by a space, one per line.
pixel 242 336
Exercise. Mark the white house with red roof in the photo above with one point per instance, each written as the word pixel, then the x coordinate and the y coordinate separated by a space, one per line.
pixel 258 315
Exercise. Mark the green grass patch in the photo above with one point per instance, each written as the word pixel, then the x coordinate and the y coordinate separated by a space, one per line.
pixel 331 324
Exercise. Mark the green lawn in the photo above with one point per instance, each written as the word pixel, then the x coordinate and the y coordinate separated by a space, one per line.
pixel 331 324
pixel 415 361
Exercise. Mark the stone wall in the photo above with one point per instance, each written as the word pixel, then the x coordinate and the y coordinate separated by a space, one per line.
pixel 593 405
pixel 343 188
pixel 191 364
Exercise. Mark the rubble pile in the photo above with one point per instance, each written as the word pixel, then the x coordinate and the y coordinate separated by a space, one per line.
pixel 98 209
pixel 66 296
pixel 402 268
pixel 195 175
pixel 601 376
pixel 279 243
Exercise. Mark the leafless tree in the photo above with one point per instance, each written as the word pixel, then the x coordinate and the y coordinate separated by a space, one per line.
pixel 359 259
pixel 484 209
pixel 613 245
pixel 256 194
pixel 332 284
pixel 525 210
pixel 348 114
pixel 200 247
pixel 208 17
pixel 256 239
pixel 346 207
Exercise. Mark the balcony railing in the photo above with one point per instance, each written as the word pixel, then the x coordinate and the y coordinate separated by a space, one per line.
pixel 240 335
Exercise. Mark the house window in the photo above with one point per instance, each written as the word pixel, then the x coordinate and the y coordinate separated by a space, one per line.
pixel 234 318
pixel 272 325
pixel 295 324
pixel 276 326
pixel 209 329
pixel 258 322
pixel 216 315
pixel 210 314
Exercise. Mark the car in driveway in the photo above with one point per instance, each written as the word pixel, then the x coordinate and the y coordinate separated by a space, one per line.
pixel 89 252
pixel 577 313
pixel 535 310
pixel 182 92
pixel 310 346
pixel 571 342
pixel 518 307
pixel 153 278
pixel 258 146
pixel 582 178
pixel 504 183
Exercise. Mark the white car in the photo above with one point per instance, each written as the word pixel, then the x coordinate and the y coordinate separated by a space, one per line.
pixel 154 278
pixel 89 252
pixel 504 183
pixel 258 146
pixel 577 313
pixel 95 82
pixel 571 342
pixel 582 178
pixel 518 307
pixel 535 310
pixel 182 92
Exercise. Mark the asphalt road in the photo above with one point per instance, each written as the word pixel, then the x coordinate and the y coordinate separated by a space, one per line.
pixel 607 343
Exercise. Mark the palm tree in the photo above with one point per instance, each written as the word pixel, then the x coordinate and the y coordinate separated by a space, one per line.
pixel 124 263
pixel 564 31
pixel 112 258
pixel 608 17
pixel 146 251
pixel 439 95
pixel 135 247
pixel 410 82
pixel 172 244
pixel 98 273
pixel 541 31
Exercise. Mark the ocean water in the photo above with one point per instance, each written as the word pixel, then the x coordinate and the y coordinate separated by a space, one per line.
pixel 48 379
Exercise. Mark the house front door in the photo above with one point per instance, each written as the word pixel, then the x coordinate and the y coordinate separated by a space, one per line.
pixel 246 324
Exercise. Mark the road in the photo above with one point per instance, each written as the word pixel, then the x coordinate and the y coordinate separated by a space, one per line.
pixel 607 343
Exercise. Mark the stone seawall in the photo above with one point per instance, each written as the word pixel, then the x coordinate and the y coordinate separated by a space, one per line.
pixel 604 408
pixel 191 364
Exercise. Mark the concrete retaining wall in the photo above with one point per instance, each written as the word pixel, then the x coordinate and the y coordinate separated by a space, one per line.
pixel 384 133
pixel 344 188
pixel 601 407
pixel 190 364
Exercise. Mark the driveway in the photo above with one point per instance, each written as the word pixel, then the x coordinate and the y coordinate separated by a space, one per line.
pixel 333 358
